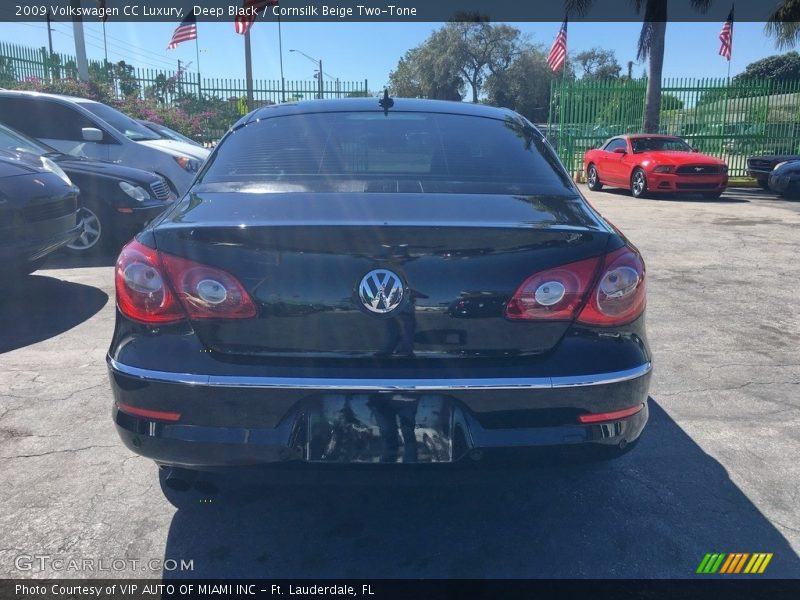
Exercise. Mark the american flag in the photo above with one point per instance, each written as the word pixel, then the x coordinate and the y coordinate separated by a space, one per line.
pixel 558 52
pixel 726 37
pixel 184 32
pixel 242 24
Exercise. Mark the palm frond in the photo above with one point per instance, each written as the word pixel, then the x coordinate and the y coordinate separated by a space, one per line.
pixel 784 24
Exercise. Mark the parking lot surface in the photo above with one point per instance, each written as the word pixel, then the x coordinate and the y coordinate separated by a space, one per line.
pixel 716 471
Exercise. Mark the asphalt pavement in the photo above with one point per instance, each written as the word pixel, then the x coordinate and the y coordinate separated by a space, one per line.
pixel 716 470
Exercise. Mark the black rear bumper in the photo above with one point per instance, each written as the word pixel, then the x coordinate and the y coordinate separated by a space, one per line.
pixel 248 421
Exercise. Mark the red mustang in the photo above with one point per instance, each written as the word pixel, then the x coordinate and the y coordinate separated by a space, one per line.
pixel 646 164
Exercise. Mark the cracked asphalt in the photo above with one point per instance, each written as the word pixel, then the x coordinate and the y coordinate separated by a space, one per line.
pixel 716 471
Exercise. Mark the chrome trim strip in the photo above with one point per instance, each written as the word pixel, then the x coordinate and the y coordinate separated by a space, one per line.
pixel 417 385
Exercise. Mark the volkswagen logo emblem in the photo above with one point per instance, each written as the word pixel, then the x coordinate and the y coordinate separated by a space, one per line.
pixel 381 291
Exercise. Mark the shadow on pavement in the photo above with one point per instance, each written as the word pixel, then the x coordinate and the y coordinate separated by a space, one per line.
pixel 37 308
pixel 731 196
pixel 653 513
pixel 68 260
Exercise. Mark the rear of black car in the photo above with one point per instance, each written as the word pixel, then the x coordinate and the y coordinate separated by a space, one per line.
pixel 346 283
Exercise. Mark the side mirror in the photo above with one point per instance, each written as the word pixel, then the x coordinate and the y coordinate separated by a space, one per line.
pixel 695 150
pixel 92 134
pixel 620 151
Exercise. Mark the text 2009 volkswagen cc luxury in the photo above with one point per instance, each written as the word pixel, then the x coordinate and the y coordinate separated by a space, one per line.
pixel 378 281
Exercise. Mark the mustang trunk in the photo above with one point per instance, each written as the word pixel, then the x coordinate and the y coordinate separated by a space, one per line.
pixel 459 264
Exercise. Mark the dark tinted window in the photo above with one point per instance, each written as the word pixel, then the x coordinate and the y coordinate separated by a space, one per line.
pixel 42 118
pixel 120 121
pixel 660 144
pixel 617 143
pixel 404 151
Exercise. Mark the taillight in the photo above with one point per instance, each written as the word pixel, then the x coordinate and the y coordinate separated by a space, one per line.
pixel 142 290
pixel 615 298
pixel 157 288
pixel 619 296
pixel 554 294
pixel 207 292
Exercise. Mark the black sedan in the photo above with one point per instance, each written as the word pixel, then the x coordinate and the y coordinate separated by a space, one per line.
pixel 785 179
pixel 38 211
pixel 116 201
pixel 373 221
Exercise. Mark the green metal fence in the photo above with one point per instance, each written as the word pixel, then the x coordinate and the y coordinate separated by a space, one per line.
pixel 729 120
pixel 18 63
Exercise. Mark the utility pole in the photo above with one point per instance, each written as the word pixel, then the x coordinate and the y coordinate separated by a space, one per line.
pixel 248 70
pixel 321 88
pixel 80 44
pixel 50 45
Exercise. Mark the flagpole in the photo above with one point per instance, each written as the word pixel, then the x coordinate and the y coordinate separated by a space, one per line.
pixel 197 52
pixel 280 54
pixel 248 70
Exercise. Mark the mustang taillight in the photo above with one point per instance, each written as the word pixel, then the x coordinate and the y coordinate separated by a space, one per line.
pixel 156 288
pixel 616 297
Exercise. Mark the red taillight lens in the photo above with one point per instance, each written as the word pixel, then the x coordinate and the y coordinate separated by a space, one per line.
pixel 142 290
pixel 554 294
pixel 207 292
pixel 156 288
pixel 619 296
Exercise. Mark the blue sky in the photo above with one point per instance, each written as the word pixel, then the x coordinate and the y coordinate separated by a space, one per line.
pixel 358 51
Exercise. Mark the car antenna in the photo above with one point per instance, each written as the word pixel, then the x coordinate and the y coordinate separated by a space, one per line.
pixel 386 102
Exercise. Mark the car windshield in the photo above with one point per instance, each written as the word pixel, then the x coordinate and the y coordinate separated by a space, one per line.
pixel 120 121
pixel 11 140
pixel 399 151
pixel 660 144
pixel 167 133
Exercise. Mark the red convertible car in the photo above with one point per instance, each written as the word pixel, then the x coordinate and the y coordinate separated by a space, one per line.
pixel 650 163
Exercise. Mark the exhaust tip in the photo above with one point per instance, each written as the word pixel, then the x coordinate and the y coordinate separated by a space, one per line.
pixel 179 480
pixel 476 455
pixel 623 443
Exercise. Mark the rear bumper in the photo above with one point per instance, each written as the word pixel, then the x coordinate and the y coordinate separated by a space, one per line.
pixel 237 421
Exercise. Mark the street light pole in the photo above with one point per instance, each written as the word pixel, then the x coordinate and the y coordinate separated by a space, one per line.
pixel 321 88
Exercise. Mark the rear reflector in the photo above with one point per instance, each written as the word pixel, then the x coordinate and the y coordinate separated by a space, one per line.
pixel 610 416
pixel 158 415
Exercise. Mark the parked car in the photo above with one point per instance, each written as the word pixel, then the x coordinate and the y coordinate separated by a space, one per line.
pixel 653 163
pixel 116 201
pixel 94 130
pixel 376 218
pixel 38 211
pixel 785 179
pixel 165 133
pixel 760 167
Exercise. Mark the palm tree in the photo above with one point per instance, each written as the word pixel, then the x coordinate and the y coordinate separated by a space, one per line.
pixel 784 24
pixel 650 47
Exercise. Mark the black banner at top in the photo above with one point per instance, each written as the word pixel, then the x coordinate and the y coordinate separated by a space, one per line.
pixel 377 10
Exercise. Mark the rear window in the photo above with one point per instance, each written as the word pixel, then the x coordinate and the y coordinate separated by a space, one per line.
pixel 369 151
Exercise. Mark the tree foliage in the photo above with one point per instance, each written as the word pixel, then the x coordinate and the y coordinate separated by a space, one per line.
pixel 780 67
pixel 596 64
pixel 524 86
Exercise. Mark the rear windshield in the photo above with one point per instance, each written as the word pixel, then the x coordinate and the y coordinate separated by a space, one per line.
pixel 369 151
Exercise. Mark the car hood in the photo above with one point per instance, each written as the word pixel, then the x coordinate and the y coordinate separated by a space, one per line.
pixel 775 157
pixel 178 148
pixel 72 164
pixel 19 163
pixel 791 166
pixel 682 158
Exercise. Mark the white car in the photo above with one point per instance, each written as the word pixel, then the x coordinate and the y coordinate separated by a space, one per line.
pixel 87 128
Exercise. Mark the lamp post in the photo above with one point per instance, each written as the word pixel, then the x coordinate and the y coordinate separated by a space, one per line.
pixel 318 62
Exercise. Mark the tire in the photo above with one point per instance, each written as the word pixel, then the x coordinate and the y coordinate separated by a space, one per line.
pixel 593 179
pixel 638 183
pixel 96 234
pixel 712 195
pixel 763 184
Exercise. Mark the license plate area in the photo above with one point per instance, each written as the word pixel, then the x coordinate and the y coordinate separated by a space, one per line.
pixel 380 428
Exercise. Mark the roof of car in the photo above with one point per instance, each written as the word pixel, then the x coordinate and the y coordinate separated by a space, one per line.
pixel 367 104
pixel 43 95
pixel 647 135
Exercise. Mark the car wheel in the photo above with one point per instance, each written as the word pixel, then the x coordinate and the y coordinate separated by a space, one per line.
pixel 638 184
pixel 763 183
pixel 592 179
pixel 712 195
pixel 93 237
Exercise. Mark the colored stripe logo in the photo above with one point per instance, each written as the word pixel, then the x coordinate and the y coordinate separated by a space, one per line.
pixel 733 563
